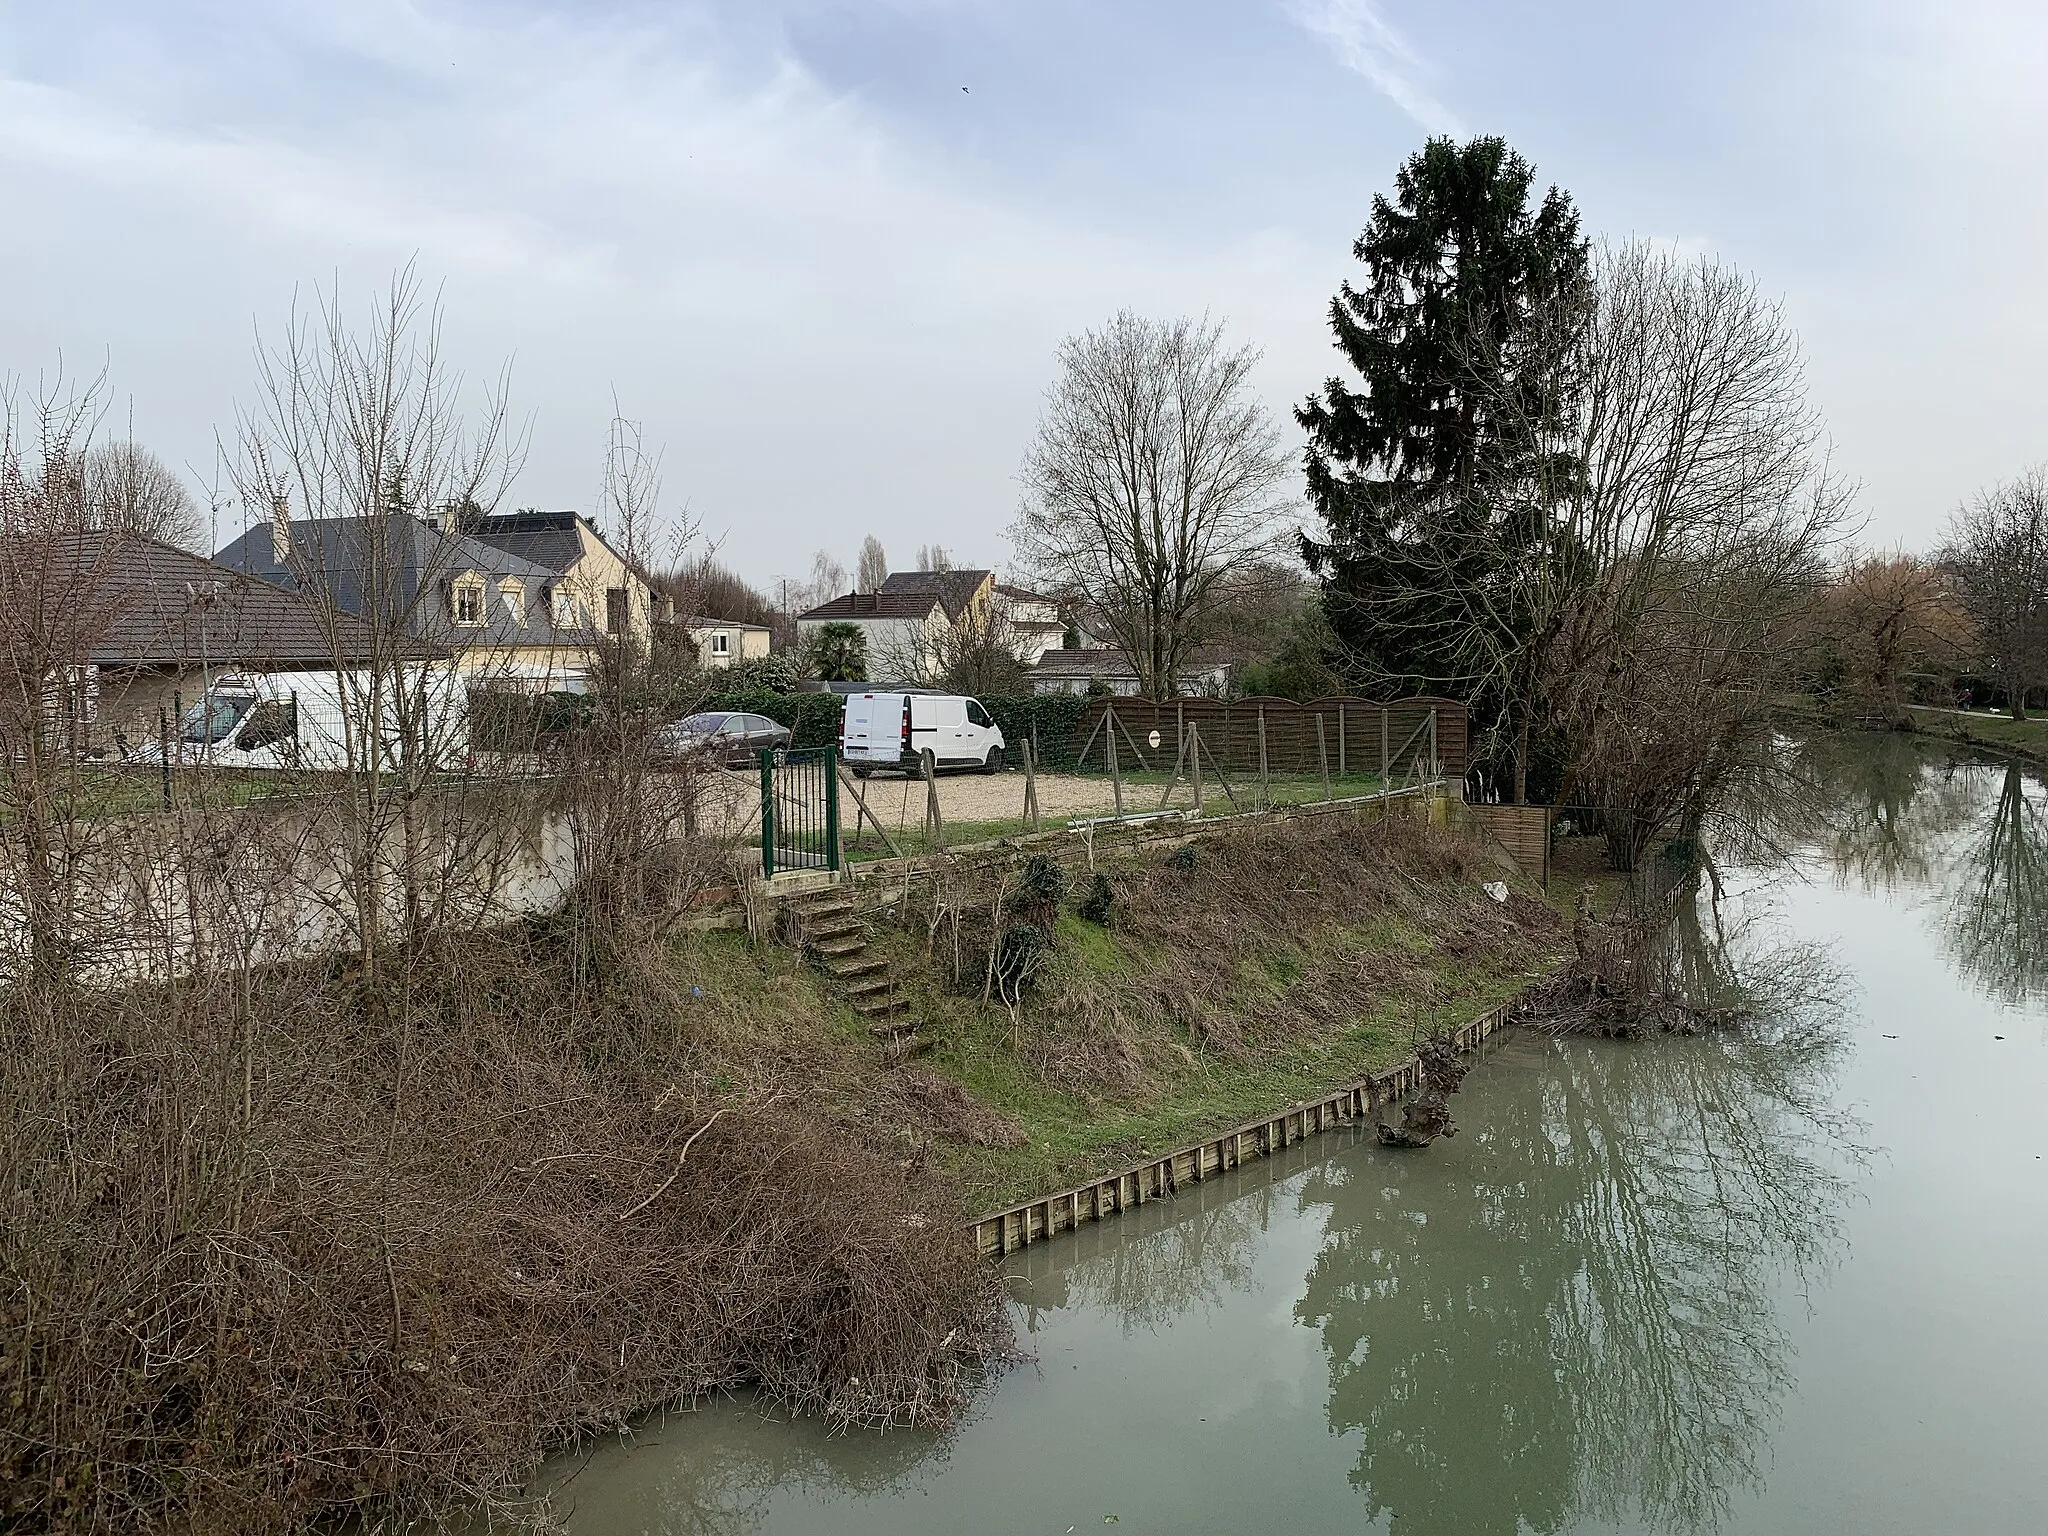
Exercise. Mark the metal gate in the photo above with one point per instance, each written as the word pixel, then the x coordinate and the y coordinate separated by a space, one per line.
pixel 799 810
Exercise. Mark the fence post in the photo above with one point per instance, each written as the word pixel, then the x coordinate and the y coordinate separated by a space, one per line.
pixel 1386 765
pixel 1323 754
pixel 829 771
pixel 1265 783
pixel 1031 782
pixel 934 818
pixel 1342 769
pixel 1195 758
pixel 163 736
pixel 767 814
pixel 1116 777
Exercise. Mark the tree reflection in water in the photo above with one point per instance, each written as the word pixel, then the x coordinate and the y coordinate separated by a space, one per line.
pixel 1587 1328
pixel 1889 807
pixel 1997 911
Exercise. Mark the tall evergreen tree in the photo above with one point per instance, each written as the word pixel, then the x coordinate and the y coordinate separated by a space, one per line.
pixel 1421 474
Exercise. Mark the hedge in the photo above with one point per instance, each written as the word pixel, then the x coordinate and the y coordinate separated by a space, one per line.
pixel 813 720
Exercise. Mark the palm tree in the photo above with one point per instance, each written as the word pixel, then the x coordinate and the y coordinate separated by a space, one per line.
pixel 840 653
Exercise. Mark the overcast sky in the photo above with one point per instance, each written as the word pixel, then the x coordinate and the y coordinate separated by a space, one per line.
pixel 825 250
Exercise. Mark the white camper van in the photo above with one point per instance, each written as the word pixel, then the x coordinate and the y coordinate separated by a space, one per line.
pixel 900 730
pixel 322 720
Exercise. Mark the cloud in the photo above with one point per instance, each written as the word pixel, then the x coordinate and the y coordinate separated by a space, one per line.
pixel 1366 44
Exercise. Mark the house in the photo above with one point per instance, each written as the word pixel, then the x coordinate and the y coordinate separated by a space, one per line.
pixel 1074 671
pixel 903 630
pixel 1032 624
pixel 152 626
pixel 721 642
pixel 486 605
pixel 594 586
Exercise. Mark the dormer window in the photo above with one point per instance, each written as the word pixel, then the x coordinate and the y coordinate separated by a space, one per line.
pixel 564 607
pixel 466 600
pixel 513 591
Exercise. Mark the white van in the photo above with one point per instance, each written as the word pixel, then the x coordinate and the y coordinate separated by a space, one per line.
pixel 900 730
pixel 321 720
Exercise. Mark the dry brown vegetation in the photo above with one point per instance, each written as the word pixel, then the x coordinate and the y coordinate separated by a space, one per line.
pixel 1238 944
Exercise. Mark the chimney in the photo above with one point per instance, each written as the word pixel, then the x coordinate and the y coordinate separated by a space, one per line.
pixel 280 530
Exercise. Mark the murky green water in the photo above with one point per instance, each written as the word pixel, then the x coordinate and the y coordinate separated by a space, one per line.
pixel 1688 1285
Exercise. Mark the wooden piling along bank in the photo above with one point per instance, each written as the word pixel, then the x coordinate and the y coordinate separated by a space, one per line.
pixel 1004 1231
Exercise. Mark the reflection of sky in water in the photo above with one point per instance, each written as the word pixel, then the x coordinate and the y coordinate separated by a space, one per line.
pixel 1647 1288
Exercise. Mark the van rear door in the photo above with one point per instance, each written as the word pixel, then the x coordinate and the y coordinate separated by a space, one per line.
pixel 871 728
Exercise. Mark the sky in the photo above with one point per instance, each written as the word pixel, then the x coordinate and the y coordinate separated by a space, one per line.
pixel 825 252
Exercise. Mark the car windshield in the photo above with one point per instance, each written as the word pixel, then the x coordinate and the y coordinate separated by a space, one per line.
pixel 214 717
pixel 700 725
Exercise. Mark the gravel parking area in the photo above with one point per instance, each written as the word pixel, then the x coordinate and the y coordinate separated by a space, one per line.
pixel 977 797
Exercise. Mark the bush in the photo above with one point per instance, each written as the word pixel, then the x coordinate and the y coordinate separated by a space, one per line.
pixel 1056 717
pixel 1096 905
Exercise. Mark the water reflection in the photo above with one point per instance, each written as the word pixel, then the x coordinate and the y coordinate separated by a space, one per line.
pixel 1584 1324
pixel 1997 919
pixel 1971 836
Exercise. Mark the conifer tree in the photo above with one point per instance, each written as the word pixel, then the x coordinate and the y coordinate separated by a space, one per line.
pixel 1419 469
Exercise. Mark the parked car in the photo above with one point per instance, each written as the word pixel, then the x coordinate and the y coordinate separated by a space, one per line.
pixel 905 729
pixel 731 738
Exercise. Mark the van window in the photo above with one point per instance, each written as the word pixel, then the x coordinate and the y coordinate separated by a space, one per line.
pixel 976 714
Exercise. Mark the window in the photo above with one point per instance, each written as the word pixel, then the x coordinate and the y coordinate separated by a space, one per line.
pixel 617 618
pixel 513 590
pixel 564 608
pixel 721 643
pixel 466 600
pixel 977 714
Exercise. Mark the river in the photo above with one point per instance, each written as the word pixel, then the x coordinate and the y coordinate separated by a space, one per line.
pixel 1717 1284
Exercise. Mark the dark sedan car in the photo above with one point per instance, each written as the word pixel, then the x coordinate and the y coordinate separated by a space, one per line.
pixel 733 739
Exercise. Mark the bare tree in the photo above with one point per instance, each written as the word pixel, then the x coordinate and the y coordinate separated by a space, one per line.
pixel 1885 617
pixel 933 557
pixel 874 566
pixel 1678 525
pixel 1997 551
pixel 352 430
pixel 1155 475
pixel 131 490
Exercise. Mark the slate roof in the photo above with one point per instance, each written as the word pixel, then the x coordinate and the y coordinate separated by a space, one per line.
pixel 884 604
pixel 954 589
pixel 547 539
pixel 145 603
pixel 402 582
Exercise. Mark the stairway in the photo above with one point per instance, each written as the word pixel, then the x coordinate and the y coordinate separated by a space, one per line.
pixel 827 931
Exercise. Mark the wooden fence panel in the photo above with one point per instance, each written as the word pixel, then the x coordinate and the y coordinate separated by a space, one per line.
pixel 1230 733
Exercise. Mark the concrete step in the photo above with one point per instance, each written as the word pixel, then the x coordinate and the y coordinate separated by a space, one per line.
pixel 825 932
pixel 879 1007
pixel 873 984
pixel 841 944
pixel 902 1048
pixel 854 968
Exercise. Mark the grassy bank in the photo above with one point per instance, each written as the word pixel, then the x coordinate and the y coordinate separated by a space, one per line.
pixel 307 1242
pixel 1992 732
pixel 1233 975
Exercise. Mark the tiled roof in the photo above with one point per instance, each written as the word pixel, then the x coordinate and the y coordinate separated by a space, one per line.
pixel 1093 662
pixel 913 604
pixel 144 603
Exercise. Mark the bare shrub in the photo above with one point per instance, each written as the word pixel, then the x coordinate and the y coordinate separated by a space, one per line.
pixel 388 1278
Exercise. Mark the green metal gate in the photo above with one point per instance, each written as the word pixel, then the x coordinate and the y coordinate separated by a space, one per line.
pixel 799 810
